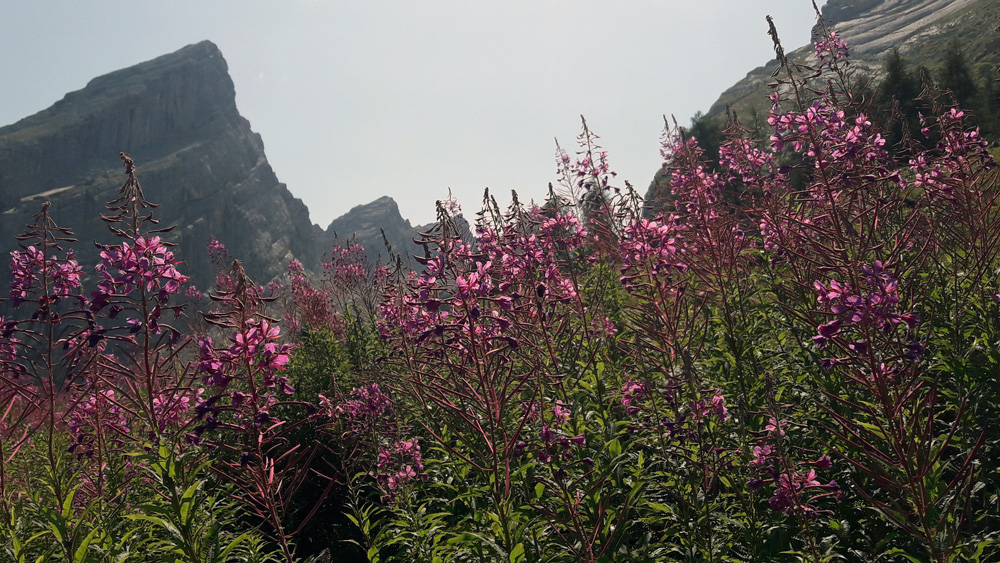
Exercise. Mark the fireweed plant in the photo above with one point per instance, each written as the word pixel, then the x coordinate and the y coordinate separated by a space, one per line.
pixel 792 356
pixel 245 376
pixel 492 343
pixel 93 387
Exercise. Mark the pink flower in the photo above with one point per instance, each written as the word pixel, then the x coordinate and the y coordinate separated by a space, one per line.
pixel 776 427
pixel 719 406
pixel 560 413
pixel 761 454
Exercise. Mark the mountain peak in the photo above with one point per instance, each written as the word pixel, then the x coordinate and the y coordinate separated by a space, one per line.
pixel 366 223
pixel 195 78
pixel 202 54
pixel 366 216
pixel 195 154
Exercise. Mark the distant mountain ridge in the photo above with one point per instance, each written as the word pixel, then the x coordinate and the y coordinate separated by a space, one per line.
pixel 366 224
pixel 871 28
pixel 196 156
pixel 920 29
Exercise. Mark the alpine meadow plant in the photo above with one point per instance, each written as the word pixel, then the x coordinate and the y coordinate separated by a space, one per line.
pixel 141 285
pixel 240 416
pixel 867 243
pixel 92 382
pixel 46 365
pixel 490 342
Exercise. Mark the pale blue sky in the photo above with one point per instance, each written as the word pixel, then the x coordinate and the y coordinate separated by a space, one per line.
pixel 406 98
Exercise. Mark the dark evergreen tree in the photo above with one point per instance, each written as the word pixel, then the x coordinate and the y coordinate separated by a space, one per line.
pixel 709 132
pixel 896 101
pixel 988 109
pixel 899 83
pixel 956 76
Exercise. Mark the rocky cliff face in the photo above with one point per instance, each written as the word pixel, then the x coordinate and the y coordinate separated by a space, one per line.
pixel 918 28
pixel 196 156
pixel 873 27
pixel 366 223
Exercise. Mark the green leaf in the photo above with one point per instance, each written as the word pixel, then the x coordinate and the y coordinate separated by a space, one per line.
pixel 900 552
pixel 224 555
pixel 659 507
pixel 517 554
pixel 187 503
pixel 58 529
pixel 67 507
pixel 81 552
pixel 162 522
pixel 615 448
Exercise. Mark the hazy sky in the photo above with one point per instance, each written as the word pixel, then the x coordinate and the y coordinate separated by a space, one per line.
pixel 359 99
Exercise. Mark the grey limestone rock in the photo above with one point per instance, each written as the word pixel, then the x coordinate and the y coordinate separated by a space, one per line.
pixel 871 28
pixel 366 223
pixel 196 156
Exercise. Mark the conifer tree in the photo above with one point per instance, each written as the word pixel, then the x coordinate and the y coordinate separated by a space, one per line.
pixel 956 76
pixel 989 105
pixel 708 131
pixel 902 87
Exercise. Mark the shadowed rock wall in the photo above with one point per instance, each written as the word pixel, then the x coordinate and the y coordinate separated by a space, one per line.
pixel 195 154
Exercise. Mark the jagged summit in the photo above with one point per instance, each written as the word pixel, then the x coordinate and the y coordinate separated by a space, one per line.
pixel 143 110
pixel 204 53
pixel 366 223
pixel 367 216
pixel 201 61
pixel 196 155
